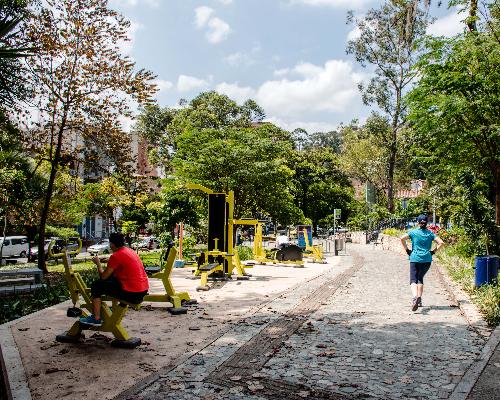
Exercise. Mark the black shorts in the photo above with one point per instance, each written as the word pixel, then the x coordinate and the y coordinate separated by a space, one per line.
pixel 112 287
pixel 418 271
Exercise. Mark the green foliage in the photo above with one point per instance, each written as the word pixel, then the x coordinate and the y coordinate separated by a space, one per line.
pixel 486 298
pixel 129 227
pixel 60 232
pixel 319 185
pixel 456 112
pixel 393 232
pixel 56 291
pixel 173 206
pixel 245 253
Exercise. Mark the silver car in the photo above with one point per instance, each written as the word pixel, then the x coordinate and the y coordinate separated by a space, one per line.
pixel 101 247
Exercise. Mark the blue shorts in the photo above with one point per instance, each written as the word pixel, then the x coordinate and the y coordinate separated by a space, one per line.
pixel 418 271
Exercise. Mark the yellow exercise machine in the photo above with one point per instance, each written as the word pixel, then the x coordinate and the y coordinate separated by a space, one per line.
pixel 219 260
pixel 178 299
pixel 111 316
pixel 292 256
pixel 313 251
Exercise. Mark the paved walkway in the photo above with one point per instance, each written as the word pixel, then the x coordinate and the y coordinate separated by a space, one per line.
pixel 349 333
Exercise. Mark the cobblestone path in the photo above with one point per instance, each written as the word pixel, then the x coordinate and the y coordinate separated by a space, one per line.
pixel 349 333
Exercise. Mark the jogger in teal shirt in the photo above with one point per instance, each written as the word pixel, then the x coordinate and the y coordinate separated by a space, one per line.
pixel 420 257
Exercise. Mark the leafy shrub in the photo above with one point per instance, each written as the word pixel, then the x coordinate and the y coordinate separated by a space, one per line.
pixel 245 253
pixel 63 233
pixel 56 291
pixel 393 232
pixel 486 298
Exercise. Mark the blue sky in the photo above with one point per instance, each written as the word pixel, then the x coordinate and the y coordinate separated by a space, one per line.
pixel 288 55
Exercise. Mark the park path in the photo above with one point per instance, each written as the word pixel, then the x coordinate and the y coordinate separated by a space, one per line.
pixel 349 333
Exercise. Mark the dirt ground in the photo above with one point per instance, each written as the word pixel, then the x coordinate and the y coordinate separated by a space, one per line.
pixel 94 369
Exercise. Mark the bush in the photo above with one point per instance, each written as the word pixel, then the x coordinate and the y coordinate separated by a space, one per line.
pixel 245 253
pixel 486 298
pixel 63 233
pixel 56 291
pixel 393 232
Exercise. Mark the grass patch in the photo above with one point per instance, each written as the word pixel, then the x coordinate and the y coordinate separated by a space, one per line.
pixel 486 298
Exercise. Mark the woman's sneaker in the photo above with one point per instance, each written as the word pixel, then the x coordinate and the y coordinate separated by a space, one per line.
pixel 414 304
pixel 91 320
pixel 419 301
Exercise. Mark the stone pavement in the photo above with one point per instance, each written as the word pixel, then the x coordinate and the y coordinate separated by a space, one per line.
pixel 349 333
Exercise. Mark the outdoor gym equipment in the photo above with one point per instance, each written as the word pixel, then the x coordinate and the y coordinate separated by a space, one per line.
pixel 313 251
pixel 111 316
pixel 63 250
pixel 178 299
pixel 218 262
pixel 285 254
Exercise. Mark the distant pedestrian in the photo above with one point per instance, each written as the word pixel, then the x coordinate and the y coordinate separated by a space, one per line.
pixel 128 240
pixel 420 257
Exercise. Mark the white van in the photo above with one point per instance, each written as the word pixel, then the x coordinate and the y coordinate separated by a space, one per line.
pixel 14 246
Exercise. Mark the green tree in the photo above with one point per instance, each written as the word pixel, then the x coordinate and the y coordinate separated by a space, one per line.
pixel 319 185
pixel 456 109
pixel 389 42
pixel 82 85
pixel 12 49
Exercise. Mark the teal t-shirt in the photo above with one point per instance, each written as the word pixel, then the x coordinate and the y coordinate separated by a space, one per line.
pixel 421 242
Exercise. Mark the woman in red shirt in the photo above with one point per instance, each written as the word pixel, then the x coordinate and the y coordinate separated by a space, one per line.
pixel 124 278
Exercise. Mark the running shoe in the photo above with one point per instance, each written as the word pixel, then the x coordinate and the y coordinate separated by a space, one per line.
pixel 419 300
pixel 414 304
pixel 91 320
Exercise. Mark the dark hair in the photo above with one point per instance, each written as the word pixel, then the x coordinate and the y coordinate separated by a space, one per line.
pixel 117 239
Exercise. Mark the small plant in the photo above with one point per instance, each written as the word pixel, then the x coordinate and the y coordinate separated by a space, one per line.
pixel 393 232
pixel 245 253
pixel 486 298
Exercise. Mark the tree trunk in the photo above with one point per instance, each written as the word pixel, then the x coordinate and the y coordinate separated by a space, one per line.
pixel 48 195
pixel 496 175
pixel 471 24
pixel 3 236
pixel 390 173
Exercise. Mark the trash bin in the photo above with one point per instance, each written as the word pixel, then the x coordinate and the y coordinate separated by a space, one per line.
pixel 486 269
pixel 339 244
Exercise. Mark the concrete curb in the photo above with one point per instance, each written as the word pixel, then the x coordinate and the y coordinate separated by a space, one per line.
pixel 466 384
pixel 12 364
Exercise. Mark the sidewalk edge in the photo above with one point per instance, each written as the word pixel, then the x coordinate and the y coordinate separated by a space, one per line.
pixel 466 384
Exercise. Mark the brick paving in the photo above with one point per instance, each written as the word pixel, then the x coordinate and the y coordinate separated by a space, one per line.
pixel 349 333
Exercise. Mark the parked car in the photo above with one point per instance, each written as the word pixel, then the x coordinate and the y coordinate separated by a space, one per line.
pixel 34 249
pixel 14 246
pixel 149 243
pixel 101 247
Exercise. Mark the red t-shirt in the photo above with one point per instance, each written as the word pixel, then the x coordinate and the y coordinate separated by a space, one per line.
pixel 128 269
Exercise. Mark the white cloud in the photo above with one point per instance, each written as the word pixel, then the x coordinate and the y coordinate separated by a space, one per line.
pixel 202 15
pixel 354 33
pixel 186 83
pixel 309 126
pixel 350 4
pixel 449 25
pixel 225 2
pixel 162 84
pixel 217 29
pixel 238 58
pixel 127 46
pixel 281 72
pixel 234 91
pixel 331 88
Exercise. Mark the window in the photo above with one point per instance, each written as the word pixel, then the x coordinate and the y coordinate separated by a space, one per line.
pixel 7 242
pixel 18 241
